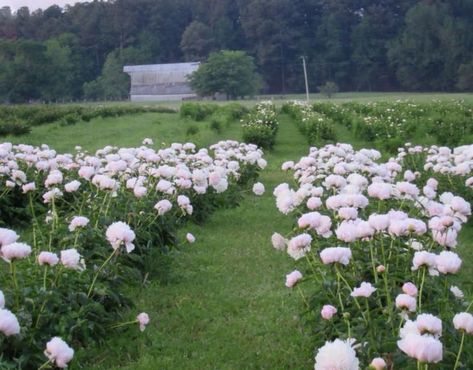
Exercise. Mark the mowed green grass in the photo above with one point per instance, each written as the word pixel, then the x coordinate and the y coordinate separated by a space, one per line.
pixel 223 303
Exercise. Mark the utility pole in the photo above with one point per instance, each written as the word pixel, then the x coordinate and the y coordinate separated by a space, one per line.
pixel 305 77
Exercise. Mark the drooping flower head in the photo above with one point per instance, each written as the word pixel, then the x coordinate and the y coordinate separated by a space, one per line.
pixel 58 352
pixel 120 233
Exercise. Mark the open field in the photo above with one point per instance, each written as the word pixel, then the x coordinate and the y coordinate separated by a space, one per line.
pixel 221 302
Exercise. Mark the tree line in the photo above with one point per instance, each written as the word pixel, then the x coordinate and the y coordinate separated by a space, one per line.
pixel 79 51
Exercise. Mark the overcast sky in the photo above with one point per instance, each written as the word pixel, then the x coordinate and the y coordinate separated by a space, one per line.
pixel 35 4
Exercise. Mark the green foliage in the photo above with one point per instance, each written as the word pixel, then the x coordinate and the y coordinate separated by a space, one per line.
pixel 197 111
pixel 329 89
pixel 261 125
pixel 226 72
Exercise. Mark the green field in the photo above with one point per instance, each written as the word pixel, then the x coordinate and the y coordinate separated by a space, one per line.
pixel 223 303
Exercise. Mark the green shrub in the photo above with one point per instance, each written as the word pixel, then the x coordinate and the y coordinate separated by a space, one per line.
pixel 192 130
pixel 197 111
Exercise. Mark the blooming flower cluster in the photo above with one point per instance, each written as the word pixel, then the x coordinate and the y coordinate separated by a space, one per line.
pixel 379 239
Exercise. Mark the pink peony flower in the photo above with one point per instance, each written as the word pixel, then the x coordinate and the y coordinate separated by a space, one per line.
pixel 380 190
pixel 9 324
pixel 378 364
pixel 78 221
pixel 190 238
pixel 328 311
pixel 423 348
pixel 293 278
pixel 336 254
pixel 448 262
pixel 314 203
pixel 58 352
pixel 143 320
pixel 348 213
pixel 423 258
pixel 380 269
pixel 338 355
pixel 364 290
pixel 7 236
pixel 163 206
pixel 406 302
pixel 15 251
pixel 463 321
pixel 120 233
pixel 31 186
pixel 410 289
pixel 258 188
pixel 278 242
pixel 72 186
pixel 429 324
pixel 299 245
pixel 48 258
pixel 70 258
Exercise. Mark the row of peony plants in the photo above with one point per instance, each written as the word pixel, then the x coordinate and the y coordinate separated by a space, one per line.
pixel 315 126
pixel 374 247
pixel 92 224
pixel 260 126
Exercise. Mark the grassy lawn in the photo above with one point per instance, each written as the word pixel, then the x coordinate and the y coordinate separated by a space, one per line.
pixel 223 303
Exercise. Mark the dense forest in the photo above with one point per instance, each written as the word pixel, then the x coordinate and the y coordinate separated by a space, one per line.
pixel 78 52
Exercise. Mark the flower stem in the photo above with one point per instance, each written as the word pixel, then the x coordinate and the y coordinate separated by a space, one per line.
pixel 45 365
pixel 421 288
pixel 98 272
pixel 457 361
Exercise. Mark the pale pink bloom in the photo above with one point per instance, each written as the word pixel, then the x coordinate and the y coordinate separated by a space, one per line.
pixel 163 206
pixel 447 238
pixel 78 221
pixel 334 181
pixel 364 290
pixel 140 191
pixel 463 321
pixel 407 189
pixel 147 141
pixel 409 176
pixel 143 320
pixel 299 245
pixel 10 184
pixel 423 258
pixel 456 291
pixel 328 311
pixel 336 255
pixel 70 258
pixel 379 222
pixel 120 233
pixel 86 172
pixel 348 213
pixel 14 251
pixel 380 190
pixel 429 324
pixel 72 186
pixel 432 183
pixel 287 165
pixel 461 206
pixel 31 186
pixel 258 188
pixel 380 269
pixel 378 364
pixel 310 220
pixel 313 203
pixel 293 278
pixel 54 178
pixel 52 194
pixel 190 238
pixel 410 289
pixel 48 258
pixel 7 236
pixel 423 348
pixel 58 352
pixel 406 302
pixel 448 262
pixel 363 230
pixel 337 355
pixel 9 324
pixel 278 242
pixel 347 231
pixel 429 192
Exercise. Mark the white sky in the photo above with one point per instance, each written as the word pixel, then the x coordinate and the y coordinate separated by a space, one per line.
pixel 36 4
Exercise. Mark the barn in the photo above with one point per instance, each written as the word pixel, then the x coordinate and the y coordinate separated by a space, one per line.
pixel 160 82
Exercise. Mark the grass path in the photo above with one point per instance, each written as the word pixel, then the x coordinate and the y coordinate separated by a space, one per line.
pixel 226 306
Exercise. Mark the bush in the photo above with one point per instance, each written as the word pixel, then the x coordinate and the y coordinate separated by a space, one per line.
pixel 329 89
pixel 197 111
pixel 260 126
pixel 192 130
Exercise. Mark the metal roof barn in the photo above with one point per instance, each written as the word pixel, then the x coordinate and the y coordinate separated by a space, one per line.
pixel 160 82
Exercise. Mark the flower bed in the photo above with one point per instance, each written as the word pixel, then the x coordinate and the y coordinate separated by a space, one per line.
pixel 92 223
pixel 261 126
pixel 374 245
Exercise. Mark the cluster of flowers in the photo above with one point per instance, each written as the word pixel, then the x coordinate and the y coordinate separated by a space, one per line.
pixel 374 245
pixel 260 126
pixel 78 255
pixel 315 126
